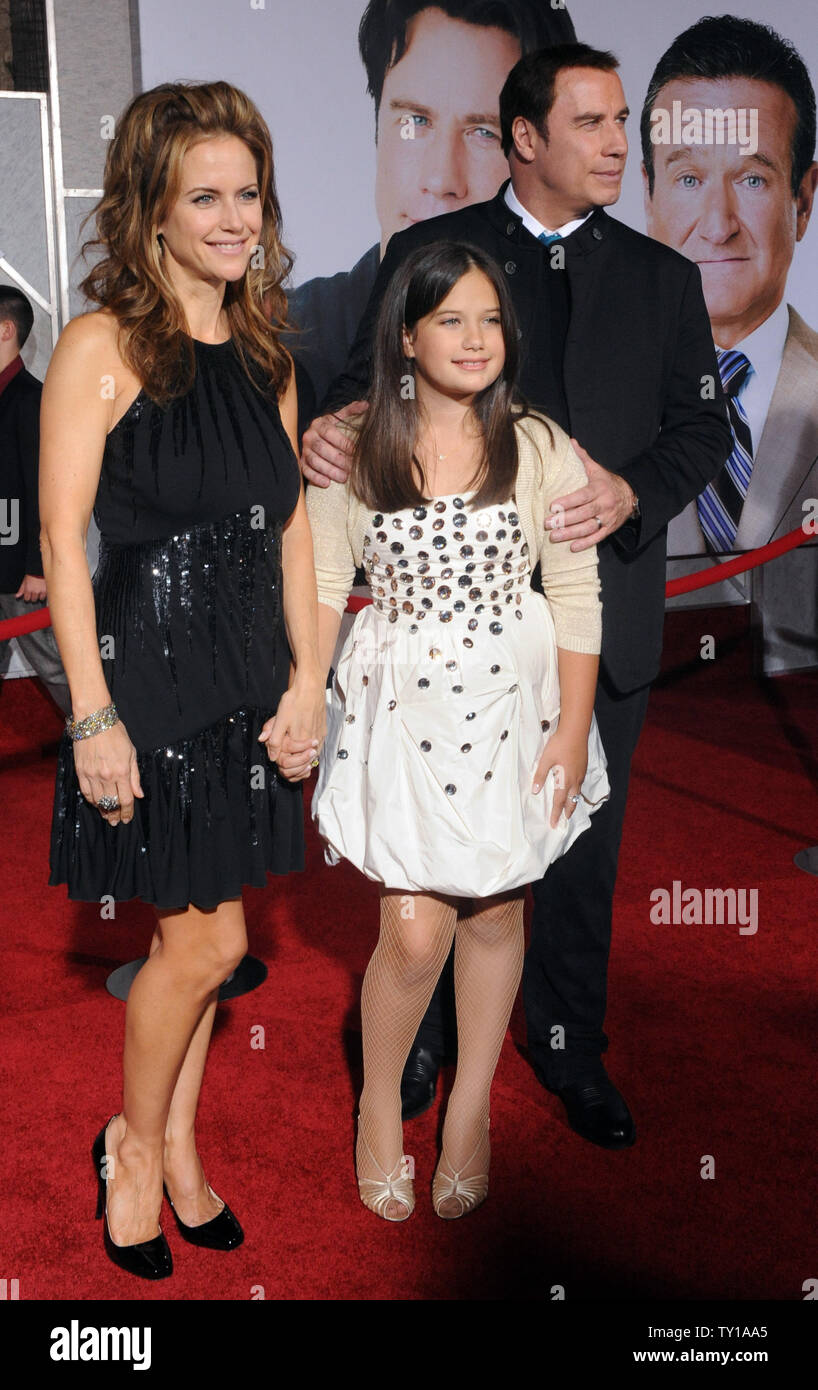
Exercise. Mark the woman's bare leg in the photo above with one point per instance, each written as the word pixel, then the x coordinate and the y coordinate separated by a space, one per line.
pixel 184 1176
pixel 168 1001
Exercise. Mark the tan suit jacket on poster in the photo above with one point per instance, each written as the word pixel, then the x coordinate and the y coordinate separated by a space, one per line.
pixel 785 474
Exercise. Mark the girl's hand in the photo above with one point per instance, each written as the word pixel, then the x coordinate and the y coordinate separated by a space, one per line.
pixel 569 758
pixel 106 765
pixel 295 759
pixel 296 731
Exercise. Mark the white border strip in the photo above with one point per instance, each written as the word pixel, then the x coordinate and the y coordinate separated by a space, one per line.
pixel 57 162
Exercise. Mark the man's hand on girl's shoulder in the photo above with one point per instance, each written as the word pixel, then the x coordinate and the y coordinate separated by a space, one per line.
pixel 326 446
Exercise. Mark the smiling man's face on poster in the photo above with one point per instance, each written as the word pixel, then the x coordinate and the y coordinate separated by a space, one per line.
pixel 729 207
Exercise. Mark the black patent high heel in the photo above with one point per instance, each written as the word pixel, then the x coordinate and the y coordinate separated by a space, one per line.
pixel 148 1259
pixel 222 1232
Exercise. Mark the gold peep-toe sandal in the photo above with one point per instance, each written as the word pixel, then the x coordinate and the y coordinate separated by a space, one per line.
pixel 396 1187
pixel 470 1192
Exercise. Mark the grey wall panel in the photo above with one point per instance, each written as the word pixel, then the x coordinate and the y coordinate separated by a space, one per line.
pixel 78 266
pixel 95 73
pixel 23 230
pixel 22 208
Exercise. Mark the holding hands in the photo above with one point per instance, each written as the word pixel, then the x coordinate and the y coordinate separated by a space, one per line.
pixel 295 733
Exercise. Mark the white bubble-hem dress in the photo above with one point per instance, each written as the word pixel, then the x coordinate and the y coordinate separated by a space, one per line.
pixel 443 699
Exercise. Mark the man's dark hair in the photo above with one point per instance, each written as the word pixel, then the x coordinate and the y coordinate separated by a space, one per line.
pixel 530 86
pixel 15 306
pixel 726 46
pixel 382 36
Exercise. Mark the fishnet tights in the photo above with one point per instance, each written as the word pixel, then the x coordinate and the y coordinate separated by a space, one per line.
pixel 415 939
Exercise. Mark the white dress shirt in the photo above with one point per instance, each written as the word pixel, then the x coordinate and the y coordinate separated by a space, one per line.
pixel 536 228
pixel 764 349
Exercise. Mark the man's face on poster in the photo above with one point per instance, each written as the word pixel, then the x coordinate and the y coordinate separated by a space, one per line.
pixel 729 210
pixel 439 124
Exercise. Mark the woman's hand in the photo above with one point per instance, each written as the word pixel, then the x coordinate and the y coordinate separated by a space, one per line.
pixel 568 755
pixel 296 731
pixel 106 765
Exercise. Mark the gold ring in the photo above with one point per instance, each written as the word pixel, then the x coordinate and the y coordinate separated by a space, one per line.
pixel 314 763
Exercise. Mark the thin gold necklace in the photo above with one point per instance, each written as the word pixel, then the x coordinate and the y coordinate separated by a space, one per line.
pixel 441 457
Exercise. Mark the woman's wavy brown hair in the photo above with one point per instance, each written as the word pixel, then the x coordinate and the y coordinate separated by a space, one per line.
pixel 141 183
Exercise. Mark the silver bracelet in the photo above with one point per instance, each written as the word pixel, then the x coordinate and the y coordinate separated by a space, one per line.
pixel 92 724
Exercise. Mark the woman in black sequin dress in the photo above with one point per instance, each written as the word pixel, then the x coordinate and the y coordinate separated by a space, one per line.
pixel 171 413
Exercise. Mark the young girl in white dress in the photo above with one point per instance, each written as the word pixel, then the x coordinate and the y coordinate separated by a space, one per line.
pixel 462 754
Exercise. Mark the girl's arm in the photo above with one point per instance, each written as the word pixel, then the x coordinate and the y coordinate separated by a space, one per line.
pixel 567 750
pixel 334 562
pixel 328 511
pixel 301 715
pixel 571 583
pixel 75 416
pixel 335 575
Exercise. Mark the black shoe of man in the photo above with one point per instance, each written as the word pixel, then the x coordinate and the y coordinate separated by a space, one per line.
pixel 418 1084
pixel 595 1108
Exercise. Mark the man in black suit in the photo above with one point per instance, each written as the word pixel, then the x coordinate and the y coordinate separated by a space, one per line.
pixel 22 587
pixel 617 348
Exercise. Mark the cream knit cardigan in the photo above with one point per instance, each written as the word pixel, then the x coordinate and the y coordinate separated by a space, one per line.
pixel 339 522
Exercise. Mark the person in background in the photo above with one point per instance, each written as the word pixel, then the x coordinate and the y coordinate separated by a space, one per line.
pixel 739 214
pixel 22 586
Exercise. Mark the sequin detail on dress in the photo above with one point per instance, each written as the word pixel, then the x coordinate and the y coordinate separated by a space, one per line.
pixel 188 590
pixel 452 566
pixel 428 787
pixel 171 578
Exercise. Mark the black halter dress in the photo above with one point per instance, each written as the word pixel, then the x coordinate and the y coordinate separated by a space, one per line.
pixel 188 592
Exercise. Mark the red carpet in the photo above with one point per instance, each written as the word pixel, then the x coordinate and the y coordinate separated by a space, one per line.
pixel 712 1043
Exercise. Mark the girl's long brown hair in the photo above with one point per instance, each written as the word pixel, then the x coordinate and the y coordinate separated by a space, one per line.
pixel 385 471
pixel 140 185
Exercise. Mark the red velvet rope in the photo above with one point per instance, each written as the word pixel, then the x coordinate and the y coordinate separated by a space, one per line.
pixel 738 565
pixel 30 622
pixel 27 622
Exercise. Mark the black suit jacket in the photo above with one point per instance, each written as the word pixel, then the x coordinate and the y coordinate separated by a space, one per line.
pixel 19 472
pixel 327 311
pixel 641 384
